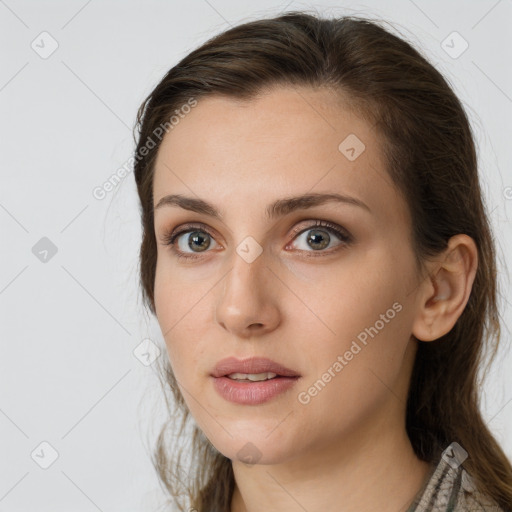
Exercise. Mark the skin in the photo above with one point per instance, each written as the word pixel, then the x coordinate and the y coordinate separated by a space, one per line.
pixel 347 448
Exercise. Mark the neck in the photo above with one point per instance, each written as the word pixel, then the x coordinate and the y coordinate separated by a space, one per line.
pixel 357 474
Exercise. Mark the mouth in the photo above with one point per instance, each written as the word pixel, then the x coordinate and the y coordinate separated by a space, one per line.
pixel 252 381
pixel 253 369
pixel 252 377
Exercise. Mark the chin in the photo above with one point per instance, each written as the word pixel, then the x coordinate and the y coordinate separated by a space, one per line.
pixel 254 446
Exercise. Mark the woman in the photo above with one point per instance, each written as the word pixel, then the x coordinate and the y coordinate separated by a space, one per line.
pixel 320 262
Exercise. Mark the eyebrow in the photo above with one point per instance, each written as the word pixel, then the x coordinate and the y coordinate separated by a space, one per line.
pixel 279 208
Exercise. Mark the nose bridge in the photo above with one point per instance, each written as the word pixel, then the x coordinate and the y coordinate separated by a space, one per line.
pixel 247 276
pixel 246 297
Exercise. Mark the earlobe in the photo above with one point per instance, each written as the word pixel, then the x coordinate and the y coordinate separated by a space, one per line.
pixel 443 297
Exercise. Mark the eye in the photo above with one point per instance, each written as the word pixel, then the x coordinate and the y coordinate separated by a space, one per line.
pixel 319 239
pixel 199 239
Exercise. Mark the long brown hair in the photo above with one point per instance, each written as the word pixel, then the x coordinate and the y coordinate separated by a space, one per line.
pixel 431 158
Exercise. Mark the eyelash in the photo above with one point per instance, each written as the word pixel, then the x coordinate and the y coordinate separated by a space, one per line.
pixel 169 238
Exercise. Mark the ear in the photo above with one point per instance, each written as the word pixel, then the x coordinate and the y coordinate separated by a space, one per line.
pixel 444 295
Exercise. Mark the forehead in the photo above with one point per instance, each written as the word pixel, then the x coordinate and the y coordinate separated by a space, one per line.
pixel 287 141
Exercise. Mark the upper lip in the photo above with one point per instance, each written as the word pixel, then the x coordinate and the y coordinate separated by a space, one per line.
pixel 251 365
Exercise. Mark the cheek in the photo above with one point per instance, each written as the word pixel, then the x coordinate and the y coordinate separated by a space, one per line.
pixel 165 303
pixel 176 305
pixel 366 323
pixel 361 295
pixel 355 377
pixel 177 297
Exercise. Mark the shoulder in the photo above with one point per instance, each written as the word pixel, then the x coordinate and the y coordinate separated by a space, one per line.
pixel 469 499
pixel 450 488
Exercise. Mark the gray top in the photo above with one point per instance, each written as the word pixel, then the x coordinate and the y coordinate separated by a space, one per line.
pixel 449 488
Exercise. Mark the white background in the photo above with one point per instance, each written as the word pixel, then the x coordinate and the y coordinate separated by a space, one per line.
pixel 68 327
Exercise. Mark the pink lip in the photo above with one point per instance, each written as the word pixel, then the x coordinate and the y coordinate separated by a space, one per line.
pixel 251 393
pixel 251 365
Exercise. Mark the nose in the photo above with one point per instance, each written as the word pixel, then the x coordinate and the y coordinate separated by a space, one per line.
pixel 247 304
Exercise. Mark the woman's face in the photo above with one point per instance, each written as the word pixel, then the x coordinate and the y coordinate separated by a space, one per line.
pixel 261 280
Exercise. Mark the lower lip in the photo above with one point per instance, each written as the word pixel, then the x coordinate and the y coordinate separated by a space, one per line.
pixel 252 393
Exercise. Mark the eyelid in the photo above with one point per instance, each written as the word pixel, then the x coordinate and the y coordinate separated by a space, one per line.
pixel 319 223
pixel 169 236
pixel 295 231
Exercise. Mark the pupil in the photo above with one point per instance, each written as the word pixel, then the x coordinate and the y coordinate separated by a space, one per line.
pixel 197 237
pixel 317 235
